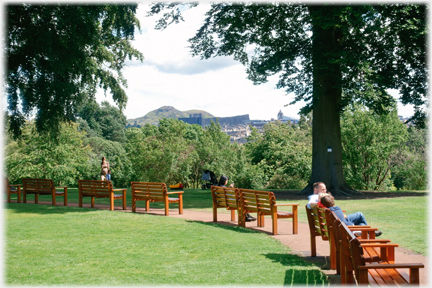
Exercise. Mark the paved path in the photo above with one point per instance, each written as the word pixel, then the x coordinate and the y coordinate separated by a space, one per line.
pixel 298 243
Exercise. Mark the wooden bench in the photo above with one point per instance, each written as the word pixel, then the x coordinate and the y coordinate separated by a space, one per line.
pixel 99 189
pixel 382 273
pixel 12 189
pixel 154 192
pixel 264 203
pixel 43 187
pixel 225 197
pixel 368 236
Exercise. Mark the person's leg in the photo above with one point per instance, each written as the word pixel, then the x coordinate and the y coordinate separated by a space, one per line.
pixel 357 218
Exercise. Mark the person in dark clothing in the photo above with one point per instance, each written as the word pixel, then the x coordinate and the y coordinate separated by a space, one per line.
pixel 352 219
pixel 223 181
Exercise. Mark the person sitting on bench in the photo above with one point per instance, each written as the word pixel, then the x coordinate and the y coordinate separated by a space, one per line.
pixel 352 219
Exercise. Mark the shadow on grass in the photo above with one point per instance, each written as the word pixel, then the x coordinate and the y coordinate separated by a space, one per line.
pixel 311 276
pixel 46 209
pixel 227 226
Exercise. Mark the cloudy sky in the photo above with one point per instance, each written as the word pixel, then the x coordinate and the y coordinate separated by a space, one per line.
pixel 170 76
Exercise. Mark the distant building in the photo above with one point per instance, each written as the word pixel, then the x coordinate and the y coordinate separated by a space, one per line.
pixel 198 119
pixel 135 125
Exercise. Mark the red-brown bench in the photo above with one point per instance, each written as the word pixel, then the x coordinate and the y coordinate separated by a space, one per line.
pixel 99 189
pixel 385 272
pixel 225 197
pixel 155 192
pixel 264 203
pixel 43 187
pixel 12 189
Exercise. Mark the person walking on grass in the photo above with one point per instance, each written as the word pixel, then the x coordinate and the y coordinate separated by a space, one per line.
pixel 104 169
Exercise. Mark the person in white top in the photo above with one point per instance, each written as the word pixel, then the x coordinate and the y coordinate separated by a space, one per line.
pixel 318 187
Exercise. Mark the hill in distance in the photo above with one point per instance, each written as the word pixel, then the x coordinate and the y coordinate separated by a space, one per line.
pixel 166 112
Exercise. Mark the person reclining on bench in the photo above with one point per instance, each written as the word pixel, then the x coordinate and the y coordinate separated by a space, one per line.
pixel 318 187
pixel 352 219
pixel 223 181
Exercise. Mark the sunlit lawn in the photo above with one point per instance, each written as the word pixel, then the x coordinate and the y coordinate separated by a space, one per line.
pixel 46 245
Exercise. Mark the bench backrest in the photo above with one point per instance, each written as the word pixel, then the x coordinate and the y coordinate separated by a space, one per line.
pixel 313 220
pixel 151 190
pixel 345 236
pixel 38 185
pixel 323 223
pixel 95 187
pixel 225 197
pixel 257 201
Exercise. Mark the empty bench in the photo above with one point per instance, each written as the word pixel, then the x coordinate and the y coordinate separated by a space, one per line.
pixel 12 189
pixel 385 272
pixel 99 189
pixel 225 197
pixel 264 203
pixel 155 192
pixel 38 187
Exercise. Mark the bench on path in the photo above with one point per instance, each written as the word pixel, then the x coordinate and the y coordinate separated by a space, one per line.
pixel 155 192
pixel 357 270
pixel 264 203
pixel 368 236
pixel 43 187
pixel 12 189
pixel 225 197
pixel 99 189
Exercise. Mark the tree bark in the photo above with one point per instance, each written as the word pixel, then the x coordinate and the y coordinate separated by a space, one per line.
pixel 327 92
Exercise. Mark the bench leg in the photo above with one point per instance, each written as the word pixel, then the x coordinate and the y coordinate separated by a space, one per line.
pixel 65 196
pixel 112 201
pixel 166 206
pixel 214 214
pixel 295 220
pixel 261 220
pixel 232 215
pixel 25 197
pixel 332 254
pixel 414 276
pixel 180 204
pixel 8 197
pixel 36 198
pixel 147 204
pixel 92 202
pixel 54 199
pixel 313 246
pixel 124 199
pixel 274 223
pixel 133 204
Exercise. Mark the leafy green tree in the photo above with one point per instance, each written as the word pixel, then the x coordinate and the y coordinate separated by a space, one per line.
pixel 58 55
pixel 411 167
pixel 104 121
pixel 284 152
pixel 63 158
pixel 370 144
pixel 328 55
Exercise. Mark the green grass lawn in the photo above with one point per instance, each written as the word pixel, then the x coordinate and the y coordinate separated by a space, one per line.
pixel 59 245
pixel 403 220
pixel 48 245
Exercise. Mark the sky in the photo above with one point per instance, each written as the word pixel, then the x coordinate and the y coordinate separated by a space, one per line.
pixel 170 76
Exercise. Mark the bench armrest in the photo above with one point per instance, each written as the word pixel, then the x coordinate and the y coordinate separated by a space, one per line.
pixel 358 226
pixel 391 266
pixel 380 245
pixel 294 204
pixel 373 241
pixel 175 192
pixel 60 187
pixel 119 189
pixel 15 185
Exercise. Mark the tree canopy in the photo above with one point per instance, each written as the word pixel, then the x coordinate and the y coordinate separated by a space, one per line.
pixel 328 55
pixel 58 55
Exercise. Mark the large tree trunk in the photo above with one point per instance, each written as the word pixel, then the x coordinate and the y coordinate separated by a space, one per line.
pixel 327 92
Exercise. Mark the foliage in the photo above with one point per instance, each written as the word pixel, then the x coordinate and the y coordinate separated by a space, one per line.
pixel 283 151
pixel 411 167
pixel 63 158
pixel 103 121
pixel 370 144
pixel 58 55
